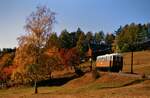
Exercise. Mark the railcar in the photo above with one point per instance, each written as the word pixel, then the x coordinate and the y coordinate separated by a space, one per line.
pixel 110 62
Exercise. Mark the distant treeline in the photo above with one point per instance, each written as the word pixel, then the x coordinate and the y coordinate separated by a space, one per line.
pixel 121 40
pixel 124 39
pixel 7 50
pixel 131 37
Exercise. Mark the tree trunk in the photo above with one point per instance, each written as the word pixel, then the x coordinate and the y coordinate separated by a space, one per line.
pixel 50 74
pixel 132 62
pixel 35 87
pixel 91 64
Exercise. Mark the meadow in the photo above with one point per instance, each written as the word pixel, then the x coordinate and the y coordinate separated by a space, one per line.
pixel 108 85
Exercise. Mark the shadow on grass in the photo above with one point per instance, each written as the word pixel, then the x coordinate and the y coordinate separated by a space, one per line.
pixel 59 81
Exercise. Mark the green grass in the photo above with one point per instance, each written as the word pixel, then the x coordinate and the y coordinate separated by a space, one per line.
pixel 27 90
pixel 16 91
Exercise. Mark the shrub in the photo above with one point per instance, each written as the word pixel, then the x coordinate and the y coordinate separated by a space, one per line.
pixel 95 74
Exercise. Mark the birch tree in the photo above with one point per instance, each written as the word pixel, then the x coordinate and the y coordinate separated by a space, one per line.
pixel 38 26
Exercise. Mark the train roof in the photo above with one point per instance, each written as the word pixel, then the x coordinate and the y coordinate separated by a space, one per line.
pixel 109 55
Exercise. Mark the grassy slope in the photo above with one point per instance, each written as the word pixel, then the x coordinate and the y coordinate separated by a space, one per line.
pixel 141 62
pixel 108 86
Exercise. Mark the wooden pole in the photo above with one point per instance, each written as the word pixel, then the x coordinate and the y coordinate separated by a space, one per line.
pixel 35 86
pixel 132 62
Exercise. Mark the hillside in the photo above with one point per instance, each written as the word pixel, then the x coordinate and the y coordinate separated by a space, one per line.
pixel 141 62
pixel 108 85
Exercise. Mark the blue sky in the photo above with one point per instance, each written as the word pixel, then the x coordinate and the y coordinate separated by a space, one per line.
pixel 89 15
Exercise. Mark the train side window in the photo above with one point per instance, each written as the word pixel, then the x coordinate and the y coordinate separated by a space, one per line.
pixel 102 59
pixel 111 58
pixel 119 59
pixel 114 58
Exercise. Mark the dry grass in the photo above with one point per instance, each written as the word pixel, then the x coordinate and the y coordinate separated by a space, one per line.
pixel 108 85
pixel 141 63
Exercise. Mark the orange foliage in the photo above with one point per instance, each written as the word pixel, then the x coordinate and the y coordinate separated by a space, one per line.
pixel 9 70
pixel 69 57
pixel 89 53
pixel 62 54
